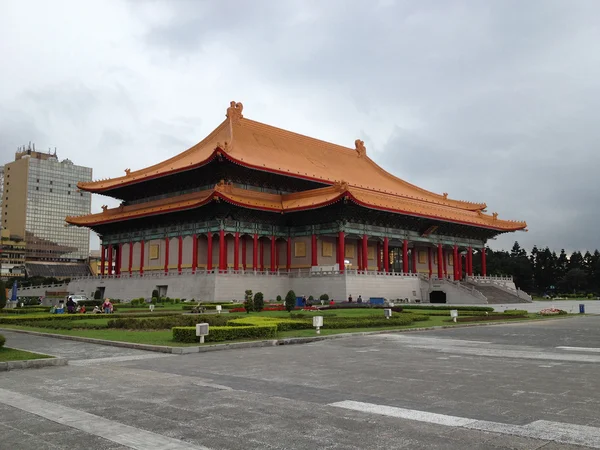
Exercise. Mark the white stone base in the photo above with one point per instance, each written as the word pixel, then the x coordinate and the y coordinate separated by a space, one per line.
pixel 231 286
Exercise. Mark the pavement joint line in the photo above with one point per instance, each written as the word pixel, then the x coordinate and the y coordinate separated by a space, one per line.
pixel 98 426
pixel 580 349
pixel 265 343
pixel 564 433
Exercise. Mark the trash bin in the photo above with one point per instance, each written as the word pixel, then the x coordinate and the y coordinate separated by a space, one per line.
pixel 581 308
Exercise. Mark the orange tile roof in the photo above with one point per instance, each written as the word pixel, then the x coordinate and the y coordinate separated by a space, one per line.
pixel 263 147
pixel 288 203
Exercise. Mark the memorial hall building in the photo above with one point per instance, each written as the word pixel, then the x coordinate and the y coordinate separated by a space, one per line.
pixel 256 207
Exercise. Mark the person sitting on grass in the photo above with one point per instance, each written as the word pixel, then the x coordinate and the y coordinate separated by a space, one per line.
pixel 107 306
pixel 82 310
pixel 96 310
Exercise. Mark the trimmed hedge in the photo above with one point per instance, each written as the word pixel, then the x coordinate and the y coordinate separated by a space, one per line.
pixel 516 312
pixel 219 334
pixel 2 340
pixel 282 324
pixel 448 307
pixel 20 311
pixel 164 323
pixel 20 320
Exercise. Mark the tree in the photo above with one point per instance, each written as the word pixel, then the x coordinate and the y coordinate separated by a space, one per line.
pixel 248 301
pixel 290 301
pixel 279 299
pixel 2 295
pixel 259 302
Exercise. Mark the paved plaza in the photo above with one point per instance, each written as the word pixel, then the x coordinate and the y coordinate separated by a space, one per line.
pixel 523 386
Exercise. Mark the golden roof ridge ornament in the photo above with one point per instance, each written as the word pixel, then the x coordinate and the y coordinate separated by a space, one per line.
pixel 341 185
pixel 360 148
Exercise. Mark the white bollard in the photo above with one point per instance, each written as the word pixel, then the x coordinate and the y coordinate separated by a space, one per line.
pixel 318 323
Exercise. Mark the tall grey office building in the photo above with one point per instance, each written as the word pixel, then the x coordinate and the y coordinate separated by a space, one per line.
pixel 39 192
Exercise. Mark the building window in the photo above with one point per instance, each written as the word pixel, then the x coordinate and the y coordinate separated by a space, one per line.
pixel 38 180
pixel 69 184
pixel 37 188
pixel 50 189
pixel 50 181
pixel 68 192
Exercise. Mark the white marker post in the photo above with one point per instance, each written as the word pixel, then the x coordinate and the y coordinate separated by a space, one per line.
pixel 219 309
pixel 318 323
pixel 387 312
pixel 454 314
pixel 201 331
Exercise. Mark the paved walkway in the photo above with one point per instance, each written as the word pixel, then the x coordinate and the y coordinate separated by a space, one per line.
pixel 523 385
pixel 571 306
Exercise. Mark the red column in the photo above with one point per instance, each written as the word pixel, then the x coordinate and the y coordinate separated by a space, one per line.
pixel 288 263
pixel 483 263
pixel 365 252
pixel 209 251
pixel 102 259
pixel 405 256
pixel 222 251
pixel 379 268
pixel 430 261
pixel 273 254
pixel 143 244
pixel 244 252
pixel 341 253
pixel 119 258
pixel 359 257
pixel 130 257
pixel 313 250
pixel 386 255
pixel 110 259
pixel 262 255
pixel 180 254
pixel 440 265
pixel 166 255
pixel 255 252
pixel 445 255
pixel 455 261
pixel 194 253
pixel 414 254
pixel 236 251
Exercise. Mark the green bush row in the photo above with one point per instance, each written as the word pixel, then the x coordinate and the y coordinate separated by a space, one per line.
pixel 18 311
pixel 165 323
pixel 209 306
pixel 69 317
pixel 62 324
pixel 516 312
pixel 220 334
pixel 449 307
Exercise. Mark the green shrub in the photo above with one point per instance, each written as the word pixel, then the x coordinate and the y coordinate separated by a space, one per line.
pixel 290 301
pixel 154 293
pixel 220 334
pixel 279 299
pixel 164 323
pixel 324 297
pixel 449 307
pixel 91 303
pixel 26 310
pixel 248 301
pixel 259 302
pixel 516 312
pixel 2 341
pixel 311 299
pixel 282 324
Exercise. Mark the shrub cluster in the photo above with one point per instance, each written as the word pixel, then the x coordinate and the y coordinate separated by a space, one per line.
pixel 449 307
pixel 164 323
pixel 2 340
pixel 29 310
pixel 515 312
pixel 219 334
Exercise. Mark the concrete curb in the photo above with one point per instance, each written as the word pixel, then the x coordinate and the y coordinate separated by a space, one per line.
pixel 32 363
pixel 265 343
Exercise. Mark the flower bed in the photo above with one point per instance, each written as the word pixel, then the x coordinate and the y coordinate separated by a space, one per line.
pixel 552 312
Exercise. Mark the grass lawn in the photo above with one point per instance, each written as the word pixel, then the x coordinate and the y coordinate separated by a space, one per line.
pixel 11 354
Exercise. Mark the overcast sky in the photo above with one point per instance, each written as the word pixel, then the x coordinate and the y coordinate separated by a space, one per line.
pixel 494 101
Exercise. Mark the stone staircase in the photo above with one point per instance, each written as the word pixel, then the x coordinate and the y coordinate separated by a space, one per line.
pixel 497 295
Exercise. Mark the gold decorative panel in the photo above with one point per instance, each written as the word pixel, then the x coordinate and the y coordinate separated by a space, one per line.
pixel 349 251
pixel 154 251
pixel 422 257
pixel 300 249
pixel 370 252
pixel 327 248
pixel 450 259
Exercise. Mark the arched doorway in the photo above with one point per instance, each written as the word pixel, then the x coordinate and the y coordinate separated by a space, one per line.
pixel 437 297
